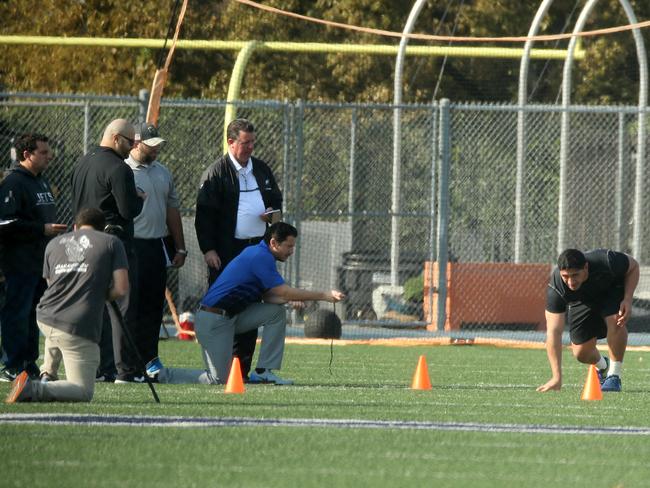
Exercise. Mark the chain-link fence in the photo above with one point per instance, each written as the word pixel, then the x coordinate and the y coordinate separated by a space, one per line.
pixel 461 194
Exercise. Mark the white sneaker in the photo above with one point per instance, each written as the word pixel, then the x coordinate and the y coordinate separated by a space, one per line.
pixel 268 377
pixel 130 379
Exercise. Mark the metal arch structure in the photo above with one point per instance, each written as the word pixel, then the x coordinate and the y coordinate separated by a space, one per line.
pixel 397 142
pixel 521 134
pixel 521 129
pixel 566 98
pixel 642 105
pixel 564 127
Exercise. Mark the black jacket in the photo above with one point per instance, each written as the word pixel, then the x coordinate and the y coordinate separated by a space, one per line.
pixel 218 201
pixel 103 180
pixel 29 200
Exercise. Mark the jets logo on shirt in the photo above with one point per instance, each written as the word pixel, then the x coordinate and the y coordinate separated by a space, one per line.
pixel 45 198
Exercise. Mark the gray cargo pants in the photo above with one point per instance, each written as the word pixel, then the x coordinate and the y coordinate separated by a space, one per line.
pixel 215 334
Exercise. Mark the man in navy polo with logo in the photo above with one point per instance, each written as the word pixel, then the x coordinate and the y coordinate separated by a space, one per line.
pixel 248 294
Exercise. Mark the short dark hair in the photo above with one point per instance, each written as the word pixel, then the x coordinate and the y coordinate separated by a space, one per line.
pixel 237 126
pixel 90 216
pixel 571 259
pixel 27 142
pixel 280 231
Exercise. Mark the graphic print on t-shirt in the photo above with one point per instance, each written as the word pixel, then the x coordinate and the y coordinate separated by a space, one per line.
pixel 75 250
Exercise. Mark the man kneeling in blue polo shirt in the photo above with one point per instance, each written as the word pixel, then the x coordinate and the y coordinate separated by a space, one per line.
pixel 248 294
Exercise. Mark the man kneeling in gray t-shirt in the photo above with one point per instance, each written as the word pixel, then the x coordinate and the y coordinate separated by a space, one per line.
pixel 83 269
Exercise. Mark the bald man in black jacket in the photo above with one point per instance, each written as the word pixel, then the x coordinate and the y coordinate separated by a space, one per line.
pixel 101 179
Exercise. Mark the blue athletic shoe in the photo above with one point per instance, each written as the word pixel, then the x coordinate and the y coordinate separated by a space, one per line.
pixel 154 366
pixel 611 383
pixel 602 373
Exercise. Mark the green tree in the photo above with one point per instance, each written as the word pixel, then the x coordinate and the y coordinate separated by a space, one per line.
pixel 609 74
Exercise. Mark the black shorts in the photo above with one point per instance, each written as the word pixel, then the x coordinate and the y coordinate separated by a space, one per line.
pixel 587 321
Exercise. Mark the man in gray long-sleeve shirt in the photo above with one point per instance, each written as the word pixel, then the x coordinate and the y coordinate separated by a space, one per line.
pixel 101 179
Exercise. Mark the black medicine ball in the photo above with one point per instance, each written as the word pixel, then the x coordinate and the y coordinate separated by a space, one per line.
pixel 323 324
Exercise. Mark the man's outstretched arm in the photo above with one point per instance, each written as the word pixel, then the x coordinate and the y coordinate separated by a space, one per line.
pixel 285 293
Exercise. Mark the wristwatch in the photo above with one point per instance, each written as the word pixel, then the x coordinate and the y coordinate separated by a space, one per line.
pixel 182 252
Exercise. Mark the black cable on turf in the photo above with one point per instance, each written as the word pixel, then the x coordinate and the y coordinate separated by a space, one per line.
pixel 134 348
pixel 332 348
pixel 331 355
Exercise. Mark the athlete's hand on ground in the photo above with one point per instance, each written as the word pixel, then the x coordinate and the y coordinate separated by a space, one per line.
pixel 212 259
pixel 551 384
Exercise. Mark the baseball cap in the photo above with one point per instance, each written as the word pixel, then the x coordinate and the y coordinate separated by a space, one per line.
pixel 148 134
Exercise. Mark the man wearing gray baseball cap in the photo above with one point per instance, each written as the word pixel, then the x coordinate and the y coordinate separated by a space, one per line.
pixel 159 221
pixel 148 134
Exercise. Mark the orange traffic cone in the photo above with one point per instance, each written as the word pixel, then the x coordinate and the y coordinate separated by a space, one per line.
pixel 235 383
pixel 421 377
pixel 592 390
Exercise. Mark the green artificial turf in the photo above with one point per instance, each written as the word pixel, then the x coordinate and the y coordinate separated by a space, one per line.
pixel 471 384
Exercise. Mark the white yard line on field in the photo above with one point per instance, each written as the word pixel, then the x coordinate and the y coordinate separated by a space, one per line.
pixel 157 421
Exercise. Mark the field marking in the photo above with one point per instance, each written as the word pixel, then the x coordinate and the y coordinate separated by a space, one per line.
pixel 184 422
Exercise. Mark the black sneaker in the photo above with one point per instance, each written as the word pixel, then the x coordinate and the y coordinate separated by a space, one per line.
pixel 33 371
pixel 105 378
pixel 7 375
pixel 602 373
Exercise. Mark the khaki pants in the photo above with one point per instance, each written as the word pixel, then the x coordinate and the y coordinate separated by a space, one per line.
pixel 52 358
pixel 80 358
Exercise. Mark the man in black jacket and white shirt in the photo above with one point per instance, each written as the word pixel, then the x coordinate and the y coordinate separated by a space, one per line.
pixel 27 203
pixel 238 197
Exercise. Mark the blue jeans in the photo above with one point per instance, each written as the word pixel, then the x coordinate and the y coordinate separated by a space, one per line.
pixel 18 319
